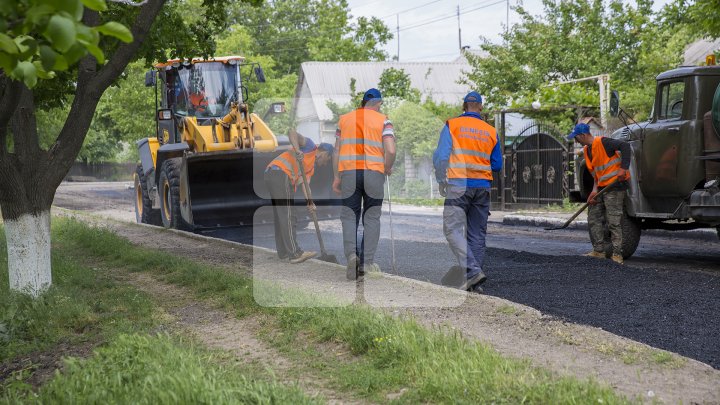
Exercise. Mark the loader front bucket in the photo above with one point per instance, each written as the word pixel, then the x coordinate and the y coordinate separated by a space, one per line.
pixel 225 189
pixel 221 187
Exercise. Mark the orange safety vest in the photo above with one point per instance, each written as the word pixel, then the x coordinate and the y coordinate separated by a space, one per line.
pixel 604 168
pixel 287 162
pixel 473 141
pixel 361 141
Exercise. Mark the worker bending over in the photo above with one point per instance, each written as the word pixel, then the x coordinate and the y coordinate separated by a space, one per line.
pixel 607 160
pixel 467 153
pixel 366 153
pixel 282 177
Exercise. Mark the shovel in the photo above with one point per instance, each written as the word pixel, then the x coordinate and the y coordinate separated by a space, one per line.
pixel 575 215
pixel 324 256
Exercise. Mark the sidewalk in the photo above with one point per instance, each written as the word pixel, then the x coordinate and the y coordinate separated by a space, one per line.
pixel 546 219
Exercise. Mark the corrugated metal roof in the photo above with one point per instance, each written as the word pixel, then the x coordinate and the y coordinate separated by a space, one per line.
pixel 331 80
pixel 696 52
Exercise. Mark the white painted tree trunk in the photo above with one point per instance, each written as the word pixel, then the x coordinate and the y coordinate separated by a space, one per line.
pixel 28 244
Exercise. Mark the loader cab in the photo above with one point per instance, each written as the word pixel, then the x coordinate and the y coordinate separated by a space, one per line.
pixel 200 88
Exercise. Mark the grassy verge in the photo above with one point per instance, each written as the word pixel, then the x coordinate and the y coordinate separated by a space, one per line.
pixel 110 326
pixel 390 355
pixel 420 202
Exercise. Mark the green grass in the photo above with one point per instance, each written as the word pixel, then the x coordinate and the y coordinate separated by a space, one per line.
pixel 143 369
pixel 86 307
pixel 390 354
pixel 420 202
pixel 83 305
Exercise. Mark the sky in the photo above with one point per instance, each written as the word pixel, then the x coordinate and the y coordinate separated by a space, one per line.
pixel 429 28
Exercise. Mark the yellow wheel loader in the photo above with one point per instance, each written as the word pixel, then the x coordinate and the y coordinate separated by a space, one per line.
pixel 204 168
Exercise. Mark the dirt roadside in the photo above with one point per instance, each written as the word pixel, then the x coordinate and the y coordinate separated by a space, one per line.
pixel 632 368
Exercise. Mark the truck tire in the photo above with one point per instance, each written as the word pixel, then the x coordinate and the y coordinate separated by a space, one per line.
pixel 630 236
pixel 169 191
pixel 144 212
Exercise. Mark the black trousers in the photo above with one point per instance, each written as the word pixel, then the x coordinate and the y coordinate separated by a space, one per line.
pixel 282 193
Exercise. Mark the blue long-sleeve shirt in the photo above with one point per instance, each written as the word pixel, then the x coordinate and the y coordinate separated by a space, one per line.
pixel 441 158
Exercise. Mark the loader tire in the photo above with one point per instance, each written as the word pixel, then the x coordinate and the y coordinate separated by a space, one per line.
pixel 630 237
pixel 169 191
pixel 144 212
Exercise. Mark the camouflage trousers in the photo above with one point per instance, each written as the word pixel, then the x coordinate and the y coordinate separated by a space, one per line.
pixel 607 215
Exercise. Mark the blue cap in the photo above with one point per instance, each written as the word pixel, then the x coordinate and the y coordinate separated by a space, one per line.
pixel 473 97
pixel 372 94
pixel 327 147
pixel 579 130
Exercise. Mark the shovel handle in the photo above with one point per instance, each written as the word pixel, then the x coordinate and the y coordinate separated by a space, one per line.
pixel 582 208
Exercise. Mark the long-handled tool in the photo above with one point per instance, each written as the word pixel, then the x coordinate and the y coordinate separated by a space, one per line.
pixel 324 256
pixel 392 236
pixel 575 215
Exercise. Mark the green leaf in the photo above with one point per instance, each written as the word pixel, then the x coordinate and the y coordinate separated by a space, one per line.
pixel 96 52
pixel 61 32
pixel 7 62
pixel 26 72
pixel 47 57
pixel 26 45
pixel 61 63
pixel 74 54
pixel 73 7
pixel 88 34
pixel 41 72
pixel 7 45
pixel 36 13
pixel 97 5
pixel 116 30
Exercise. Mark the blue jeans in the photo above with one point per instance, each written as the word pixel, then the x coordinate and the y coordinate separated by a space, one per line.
pixel 465 225
pixel 362 193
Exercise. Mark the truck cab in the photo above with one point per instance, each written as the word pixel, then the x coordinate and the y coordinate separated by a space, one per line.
pixel 676 155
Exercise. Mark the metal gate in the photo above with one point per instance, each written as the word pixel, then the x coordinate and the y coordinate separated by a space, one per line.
pixel 539 171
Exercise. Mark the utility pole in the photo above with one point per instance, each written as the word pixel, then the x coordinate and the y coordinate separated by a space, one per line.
pixel 507 16
pixel 603 81
pixel 459 30
pixel 397 16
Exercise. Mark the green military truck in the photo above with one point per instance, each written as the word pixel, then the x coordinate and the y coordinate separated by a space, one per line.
pixel 675 168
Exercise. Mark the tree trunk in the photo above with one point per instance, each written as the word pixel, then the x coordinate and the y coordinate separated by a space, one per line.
pixel 28 245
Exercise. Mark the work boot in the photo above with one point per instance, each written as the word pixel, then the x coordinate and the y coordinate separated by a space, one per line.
pixel 596 254
pixel 302 257
pixel 351 271
pixel 617 259
pixel 476 289
pixel 474 281
pixel 371 268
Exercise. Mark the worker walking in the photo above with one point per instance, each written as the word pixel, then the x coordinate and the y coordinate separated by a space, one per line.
pixel 607 159
pixel 467 153
pixel 365 141
pixel 282 177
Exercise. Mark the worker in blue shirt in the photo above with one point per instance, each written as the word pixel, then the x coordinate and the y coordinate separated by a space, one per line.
pixel 467 153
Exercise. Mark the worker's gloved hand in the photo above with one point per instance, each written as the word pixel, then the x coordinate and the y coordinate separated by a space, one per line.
pixel 623 175
pixel 388 171
pixel 312 208
pixel 336 185
pixel 591 198
pixel 299 156
pixel 442 187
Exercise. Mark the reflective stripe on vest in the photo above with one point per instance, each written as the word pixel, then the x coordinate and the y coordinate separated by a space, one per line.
pixel 603 167
pixel 361 141
pixel 287 163
pixel 473 141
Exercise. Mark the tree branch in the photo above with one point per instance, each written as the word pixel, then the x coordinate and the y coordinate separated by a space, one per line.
pixel 125 53
pixel 90 87
pixel 24 128
pixel 9 101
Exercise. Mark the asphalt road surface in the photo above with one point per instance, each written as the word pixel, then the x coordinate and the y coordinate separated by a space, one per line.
pixel 667 295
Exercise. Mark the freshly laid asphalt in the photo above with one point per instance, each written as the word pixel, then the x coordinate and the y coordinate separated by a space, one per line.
pixel 671 309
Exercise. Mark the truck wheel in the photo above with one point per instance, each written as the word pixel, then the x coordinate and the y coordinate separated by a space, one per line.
pixel 169 190
pixel 630 234
pixel 144 212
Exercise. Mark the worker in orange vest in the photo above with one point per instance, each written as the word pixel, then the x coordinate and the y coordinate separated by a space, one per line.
pixel 365 141
pixel 607 159
pixel 282 177
pixel 468 152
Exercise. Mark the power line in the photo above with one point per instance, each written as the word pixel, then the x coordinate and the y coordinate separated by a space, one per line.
pixel 409 9
pixel 438 19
